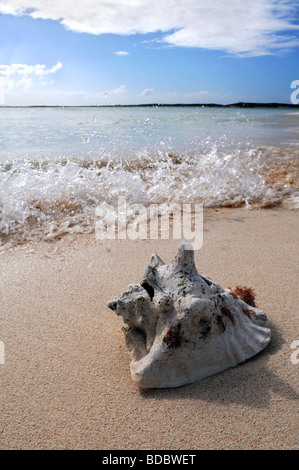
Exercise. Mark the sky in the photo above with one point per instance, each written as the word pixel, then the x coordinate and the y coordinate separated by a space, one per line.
pixel 109 52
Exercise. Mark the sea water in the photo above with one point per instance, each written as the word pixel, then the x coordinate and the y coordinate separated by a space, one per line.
pixel 58 164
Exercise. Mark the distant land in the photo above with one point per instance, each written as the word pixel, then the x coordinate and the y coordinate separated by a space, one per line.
pixel 154 105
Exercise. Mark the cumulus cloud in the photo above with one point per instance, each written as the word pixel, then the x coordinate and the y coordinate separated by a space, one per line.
pixel 239 28
pixel 121 53
pixel 21 76
pixel 119 90
pixel 24 70
pixel 147 92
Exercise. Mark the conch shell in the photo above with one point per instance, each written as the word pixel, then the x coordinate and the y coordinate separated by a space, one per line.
pixel 182 327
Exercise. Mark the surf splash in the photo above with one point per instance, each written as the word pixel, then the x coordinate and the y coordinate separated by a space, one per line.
pixel 47 198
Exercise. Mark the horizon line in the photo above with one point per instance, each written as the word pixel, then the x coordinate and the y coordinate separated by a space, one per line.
pixel 240 104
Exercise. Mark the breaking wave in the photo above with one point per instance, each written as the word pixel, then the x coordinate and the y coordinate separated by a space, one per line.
pixel 51 197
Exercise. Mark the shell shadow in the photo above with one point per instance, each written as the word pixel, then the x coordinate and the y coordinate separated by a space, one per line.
pixel 249 383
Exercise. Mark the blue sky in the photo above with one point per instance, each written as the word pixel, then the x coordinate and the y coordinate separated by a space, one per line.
pixel 61 52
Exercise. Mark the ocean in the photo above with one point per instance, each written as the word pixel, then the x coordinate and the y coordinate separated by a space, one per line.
pixel 58 164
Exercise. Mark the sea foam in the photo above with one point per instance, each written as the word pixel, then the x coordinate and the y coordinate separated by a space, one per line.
pixel 51 197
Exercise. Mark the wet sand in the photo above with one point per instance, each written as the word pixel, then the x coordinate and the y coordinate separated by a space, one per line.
pixel 66 383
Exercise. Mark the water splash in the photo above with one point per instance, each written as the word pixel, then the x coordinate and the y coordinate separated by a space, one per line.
pixel 50 197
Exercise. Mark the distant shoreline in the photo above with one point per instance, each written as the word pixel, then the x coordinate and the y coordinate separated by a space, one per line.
pixel 161 105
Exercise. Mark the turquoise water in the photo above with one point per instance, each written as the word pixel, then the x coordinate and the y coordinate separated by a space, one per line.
pixel 121 131
pixel 58 164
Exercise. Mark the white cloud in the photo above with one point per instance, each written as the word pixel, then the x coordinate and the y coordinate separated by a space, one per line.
pixel 147 92
pixel 237 27
pixel 25 70
pixel 21 76
pixel 121 53
pixel 119 90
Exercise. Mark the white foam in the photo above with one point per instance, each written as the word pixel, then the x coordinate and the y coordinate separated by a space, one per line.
pixel 54 197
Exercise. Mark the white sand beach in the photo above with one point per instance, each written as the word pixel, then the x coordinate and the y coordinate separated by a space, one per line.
pixel 66 382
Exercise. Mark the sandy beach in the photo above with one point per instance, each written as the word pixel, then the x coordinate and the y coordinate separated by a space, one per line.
pixel 66 384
